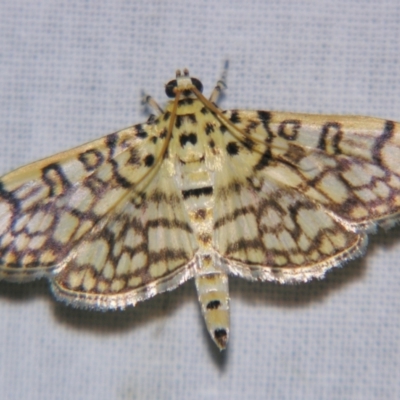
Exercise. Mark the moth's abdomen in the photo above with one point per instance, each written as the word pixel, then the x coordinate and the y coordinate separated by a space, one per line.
pixel 212 290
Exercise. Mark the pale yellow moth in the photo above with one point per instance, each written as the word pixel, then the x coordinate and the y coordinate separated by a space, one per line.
pixel 200 192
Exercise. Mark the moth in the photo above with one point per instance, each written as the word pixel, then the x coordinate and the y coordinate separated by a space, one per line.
pixel 198 192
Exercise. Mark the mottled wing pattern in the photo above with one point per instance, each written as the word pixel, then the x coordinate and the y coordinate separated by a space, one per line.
pixel 57 213
pixel 144 247
pixel 299 191
pixel 48 207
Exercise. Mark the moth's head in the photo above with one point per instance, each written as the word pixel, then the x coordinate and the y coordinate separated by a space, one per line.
pixel 182 84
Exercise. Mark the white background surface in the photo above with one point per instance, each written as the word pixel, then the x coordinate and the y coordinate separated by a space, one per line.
pixel 71 71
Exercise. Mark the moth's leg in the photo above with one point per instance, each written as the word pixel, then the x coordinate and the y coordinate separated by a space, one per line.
pixel 221 84
pixel 147 100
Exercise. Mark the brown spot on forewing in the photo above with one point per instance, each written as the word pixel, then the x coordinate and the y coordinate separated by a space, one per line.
pixel 295 154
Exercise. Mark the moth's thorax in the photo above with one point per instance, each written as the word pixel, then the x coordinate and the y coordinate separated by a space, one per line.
pixel 191 140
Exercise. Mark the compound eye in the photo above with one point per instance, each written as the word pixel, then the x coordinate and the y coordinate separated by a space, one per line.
pixel 169 88
pixel 197 84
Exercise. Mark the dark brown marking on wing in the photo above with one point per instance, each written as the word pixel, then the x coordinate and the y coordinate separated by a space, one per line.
pixel 141 133
pixel 53 175
pixel 226 191
pixel 134 158
pixel 149 160
pixel 248 143
pixel 91 159
pixel 167 254
pixel 209 128
pixel 250 127
pixel 232 148
pixel 169 223
pixel 96 185
pixel 235 118
pixel 289 129
pixel 192 118
pixel 223 129
pixel 234 215
pixel 337 136
pixel 159 196
pixel 295 153
pixel 163 133
pixel 244 244
pixel 111 142
pixel 265 118
pixel 381 140
pixel 264 160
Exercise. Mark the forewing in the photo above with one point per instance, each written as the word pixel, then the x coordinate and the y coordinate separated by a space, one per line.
pixel 349 165
pixel 48 208
pixel 145 246
pixel 298 192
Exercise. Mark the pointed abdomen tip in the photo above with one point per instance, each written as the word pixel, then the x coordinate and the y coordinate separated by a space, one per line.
pixel 220 338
